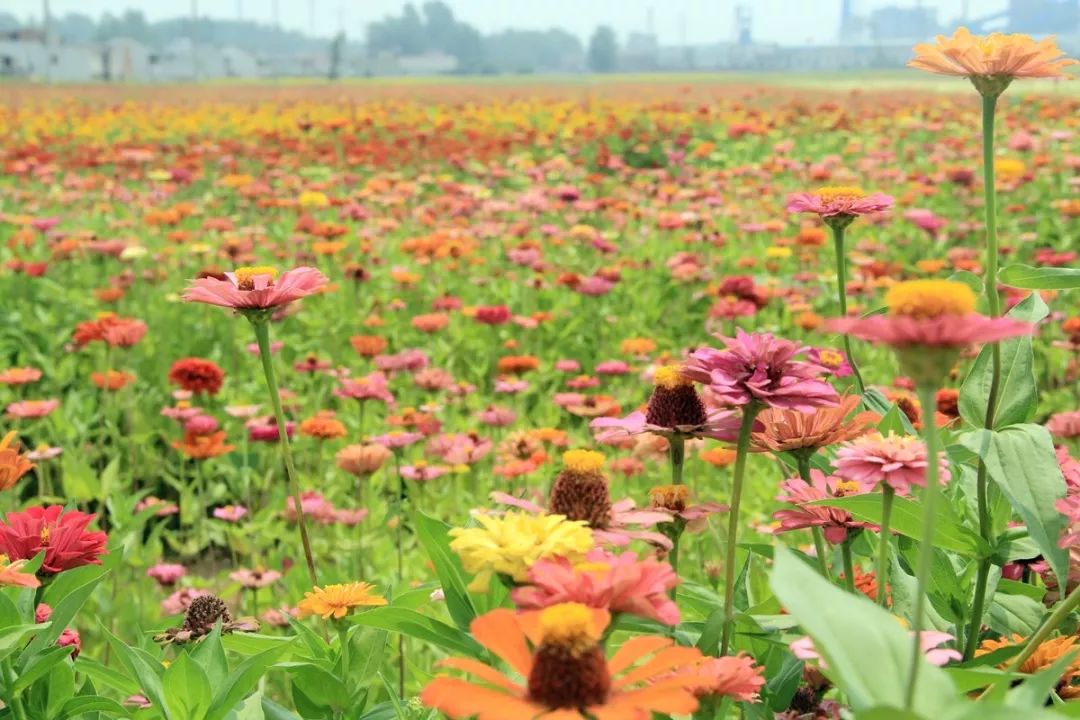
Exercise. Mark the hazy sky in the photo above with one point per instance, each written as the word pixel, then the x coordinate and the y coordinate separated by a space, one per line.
pixel 789 21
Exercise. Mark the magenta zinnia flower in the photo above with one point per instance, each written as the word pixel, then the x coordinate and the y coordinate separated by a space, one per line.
pixel 758 367
pixel 896 460
pixel 830 202
pixel 618 583
pixel 256 288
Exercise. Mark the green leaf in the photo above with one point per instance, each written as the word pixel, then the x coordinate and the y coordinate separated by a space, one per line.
pixel 63 612
pixel 709 642
pixel 84 705
pixel 146 670
pixel 873 400
pixel 1018 396
pixel 413 624
pixel 1040 278
pixel 39 666
pixel 319 685
pixel 434 537
pixel 1015 614
pixel 106 676
pixel 187 689
pixel 273 711
pixel 1020 459
pixel 241 681
pixel 13 637
pixel 210 656
pixel 906 519
pixel 867 651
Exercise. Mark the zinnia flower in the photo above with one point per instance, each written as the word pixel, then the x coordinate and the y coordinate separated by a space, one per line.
pixel 991 61
pixel 337 601
pixel 834 521
pixel 793 431
pixel 256 288
pixel 929 640
pixel 197 375
pixel 369 387
pixel 32 408
pixel 1049 652
pixel 13 465
pixel 566 675
pixel 62 535
pixel 509 545
pixel 616 583
pixel 897 460
pixel 841 203
pixel 362 459
pixel 757 367
pixel 11 574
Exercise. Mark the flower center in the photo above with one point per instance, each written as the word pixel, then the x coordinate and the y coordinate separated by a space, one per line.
pixel 46 533
pixel 928 299
pixel 830 358
pixel 581 496
pixel 833 193
pixel 569 669
pixel 845 487
pixel 670 497
pixel 583 462
pixel 670 377
pixel 245 276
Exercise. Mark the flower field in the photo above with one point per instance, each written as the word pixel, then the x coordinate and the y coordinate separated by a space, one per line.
pixel 571 401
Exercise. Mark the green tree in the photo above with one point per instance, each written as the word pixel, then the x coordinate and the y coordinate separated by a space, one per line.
pixel 603 50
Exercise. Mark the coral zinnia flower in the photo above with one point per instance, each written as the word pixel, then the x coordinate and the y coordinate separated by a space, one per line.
pixel 362 459
pixel 994 57
pixel 337 601
pixel 12 464
pixel 256 288
pixel 834 521
pixel 758 367
pixel 791 430
pixel 32 408
pixel 839 202
pixel 566 675
pixel 62 535
pixel 11 574
pixel 735 676
pixel 20 376
pixel 616 583
pixel 510 544
pixel 930 313
pixel 197 375
pixel 897 460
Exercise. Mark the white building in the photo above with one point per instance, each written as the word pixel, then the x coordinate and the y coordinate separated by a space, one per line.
pixel 125 60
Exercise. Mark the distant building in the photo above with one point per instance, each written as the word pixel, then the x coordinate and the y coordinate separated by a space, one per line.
pixel 432 63
pixel 125 60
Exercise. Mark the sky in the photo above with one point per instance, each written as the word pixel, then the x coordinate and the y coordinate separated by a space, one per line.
pixel 702 21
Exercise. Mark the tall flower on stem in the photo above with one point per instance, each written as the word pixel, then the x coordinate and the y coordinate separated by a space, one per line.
pixel 752 372
pixel 256 292
pixel 991 63
pixel 928 323
pixel 838 206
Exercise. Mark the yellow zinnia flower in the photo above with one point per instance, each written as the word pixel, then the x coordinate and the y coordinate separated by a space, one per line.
pixel 337 601
pixel 510 544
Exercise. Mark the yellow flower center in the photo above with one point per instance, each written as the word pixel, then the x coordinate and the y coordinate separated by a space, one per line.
pixel 247 274
pixel 926 299
pixel 670 377
pixel 845 487
pixel 670 496
pixel 583 461
pixel 568 625
pixel 830 358
pixel 836 192
pixel 45 534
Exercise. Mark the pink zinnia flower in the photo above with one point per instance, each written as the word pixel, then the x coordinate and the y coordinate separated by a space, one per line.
pixel 496 416
pixel 833 361
pixel 459 448
pixel 396 440
pixel 612 367
pixel 926 220
pixel 834 521
pixel 409 360
pixel 735 676
pixel 256 288
pixel 230 513
pixel 180 600
pixel 255 579
pixel 897 460
pixel 719 425
pixel 833 201
pixel 369 387
pixel 1064 425
pixel 804 649
pixel 166 574
pixel 758 367
pixel 617 583
pixel 32 408
pixel 423 472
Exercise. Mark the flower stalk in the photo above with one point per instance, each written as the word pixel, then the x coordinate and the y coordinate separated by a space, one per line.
pixel 742 450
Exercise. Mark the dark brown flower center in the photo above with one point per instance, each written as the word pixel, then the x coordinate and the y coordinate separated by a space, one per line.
pixel 582 496
pixel 563 677
pixel 673 407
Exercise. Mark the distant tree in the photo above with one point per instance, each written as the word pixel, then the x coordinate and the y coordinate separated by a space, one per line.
pixel 9 22
pixel 436 30
pixel 528 51
pixel 603 50
pixel 75 28
pixel 337 48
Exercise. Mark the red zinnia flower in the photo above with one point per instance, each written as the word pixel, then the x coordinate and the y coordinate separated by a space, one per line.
pixel 62 535
pixel 197 375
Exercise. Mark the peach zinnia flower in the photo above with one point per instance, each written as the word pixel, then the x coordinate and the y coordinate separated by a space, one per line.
pixel 833 521
pixel 19 376
pixel 616 583
pixel 13 465
pixel 32 408
pixel 11 574
pixel 900 461
pixel 256 288
pixel 993 56
pixel 791 430
pixel 565 673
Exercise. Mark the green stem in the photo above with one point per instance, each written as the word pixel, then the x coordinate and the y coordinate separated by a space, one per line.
pixel 884 542
pixel 343 641
pixel 10 676
pixel 742 449
pixel 262 337
pixel 849 566
pixel 677 453
pixel 802 459
pixel 993 300
pixel 1061 612
pixel 841 296
pixel 926 543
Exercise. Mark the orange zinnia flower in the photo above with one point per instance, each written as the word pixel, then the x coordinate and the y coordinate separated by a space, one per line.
pixel 12 465
pixel 1049 652
pixel 566 673
pixel 202 447
pixel 991 61
pixel 791 430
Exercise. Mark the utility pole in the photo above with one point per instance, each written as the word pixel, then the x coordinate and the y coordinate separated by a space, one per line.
pixel 46 39
pixel 194 47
